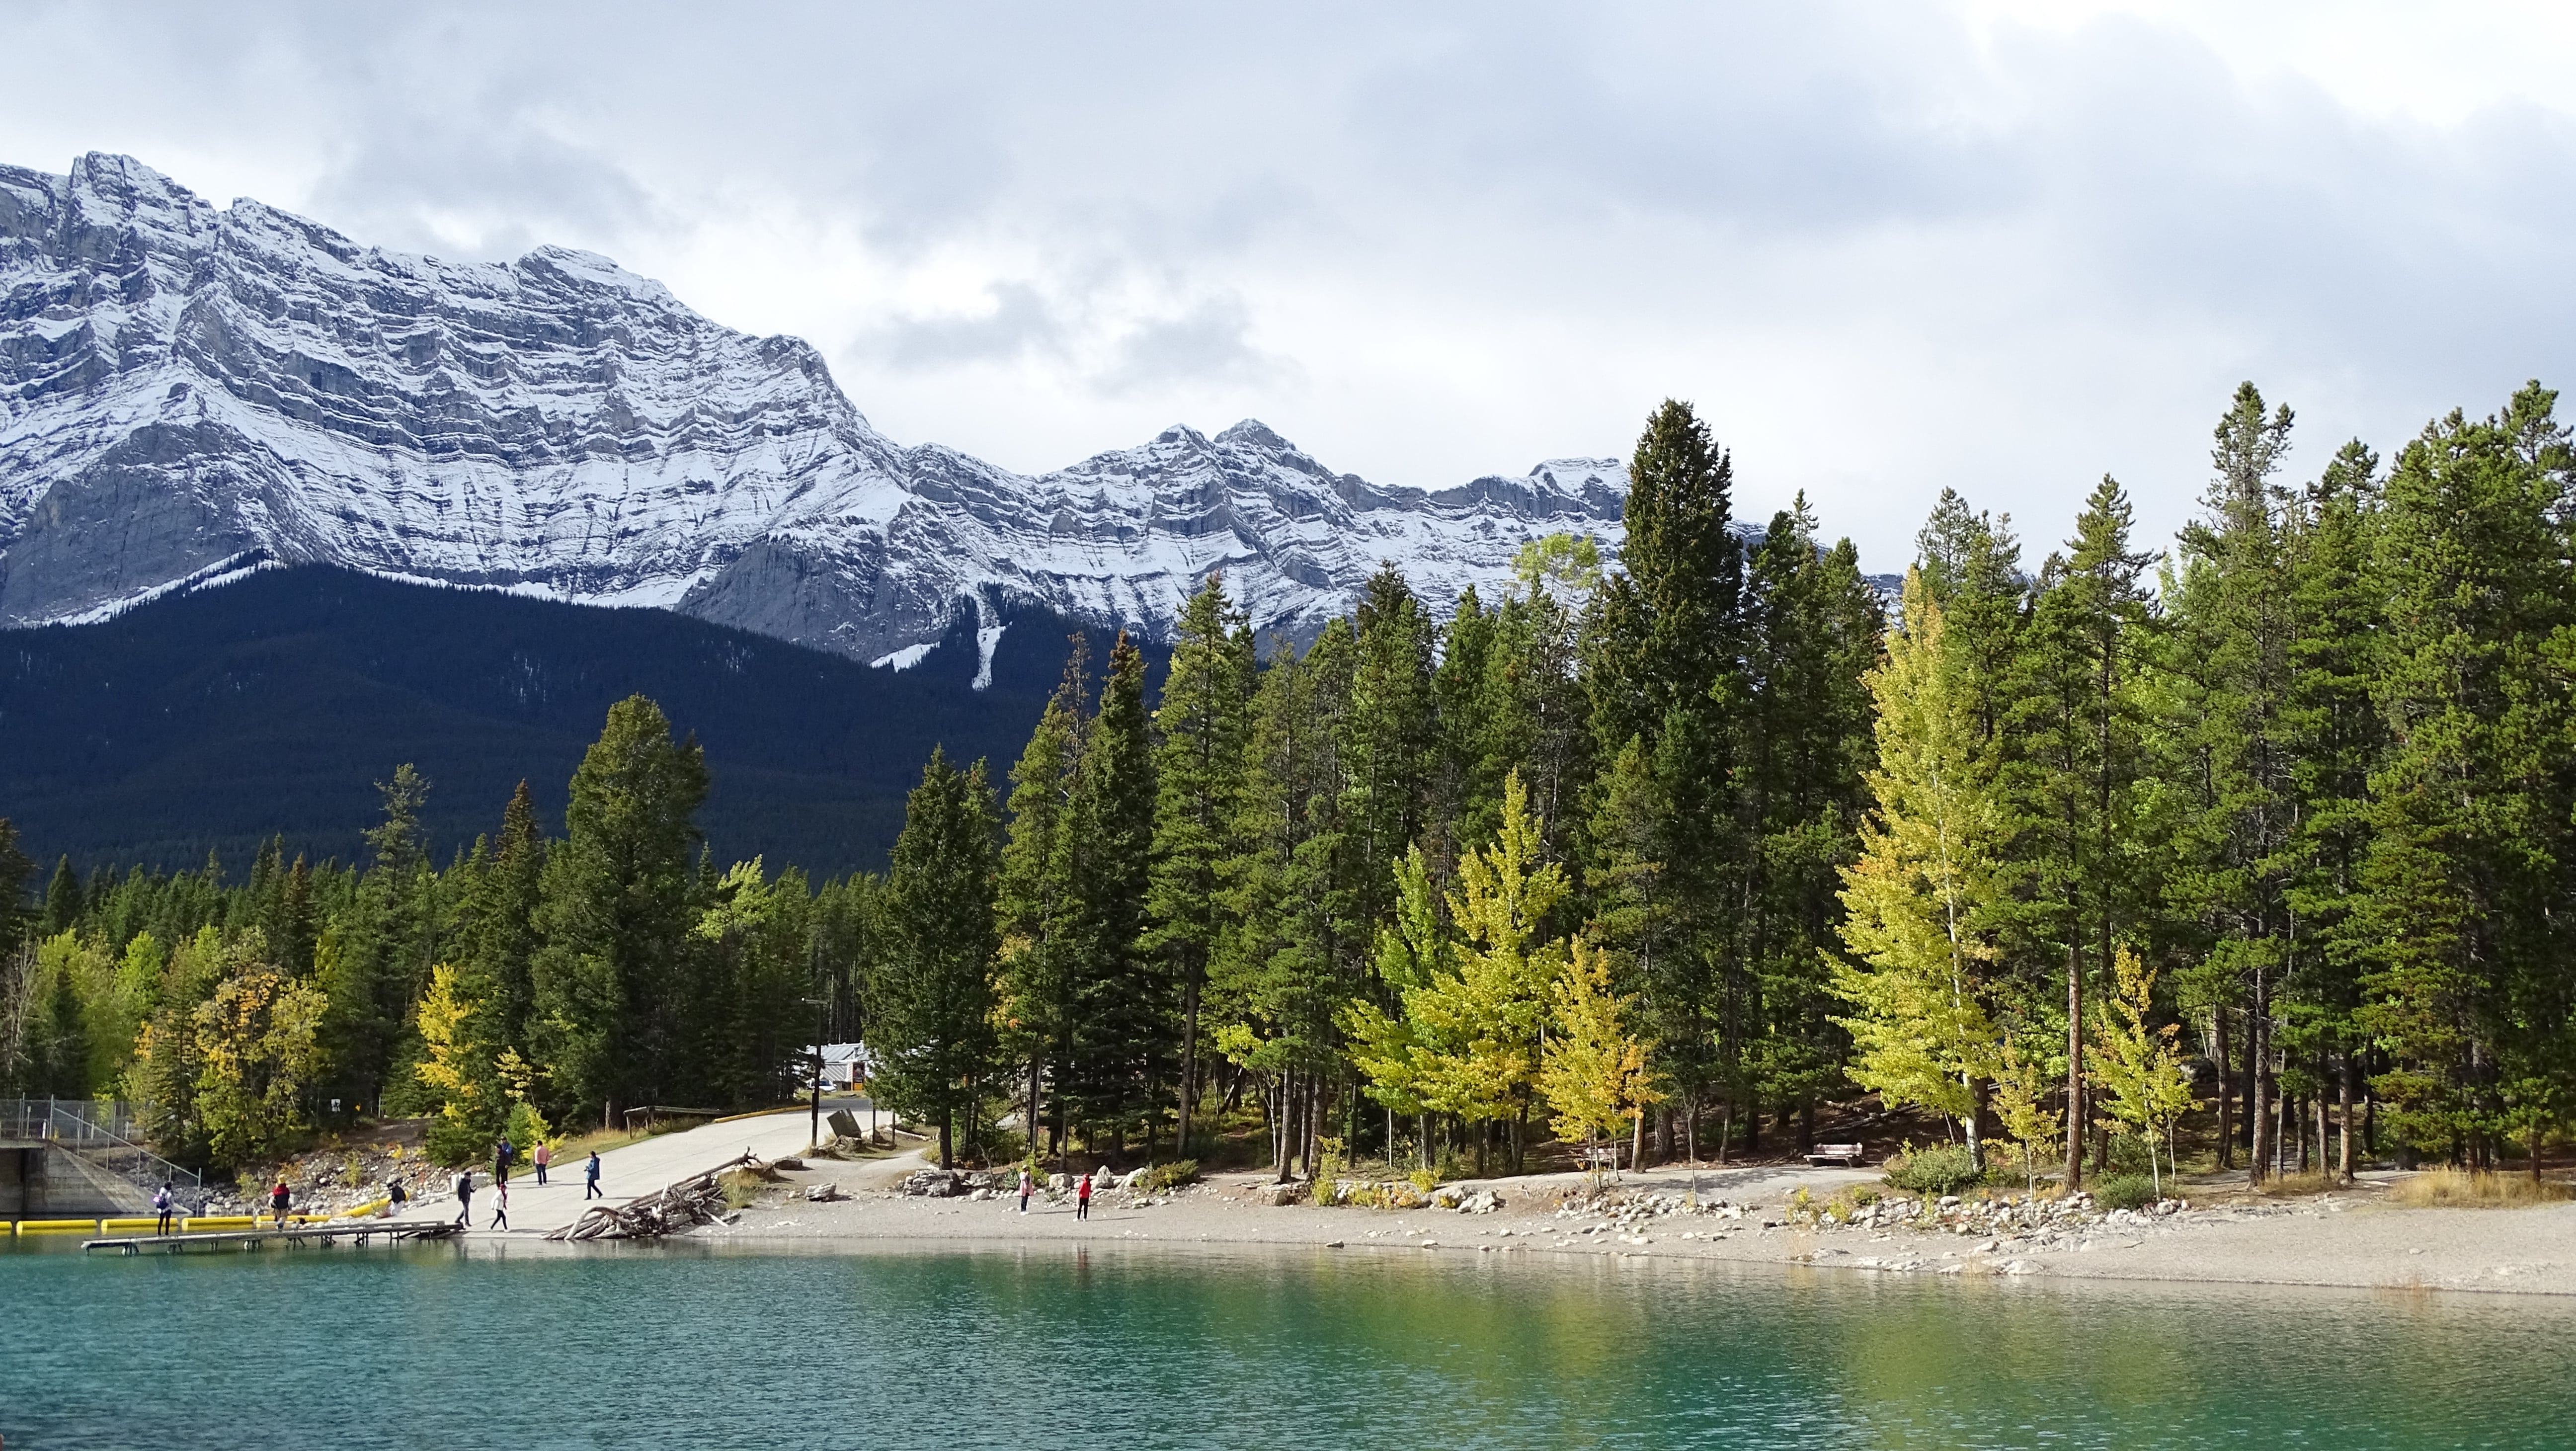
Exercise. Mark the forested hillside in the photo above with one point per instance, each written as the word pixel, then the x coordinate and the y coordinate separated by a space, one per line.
pixel 2265 836
pixel 209 722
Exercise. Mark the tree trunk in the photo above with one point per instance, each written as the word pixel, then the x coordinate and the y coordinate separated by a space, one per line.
pixel 2074 1068
pixel 1189 1062
pixel 1690 1129
pixel 1637 1141
pixel 2226 1087
pixel 2258 1086
pixel 1725 1129
pixel 2343 1135
pixel 946 1159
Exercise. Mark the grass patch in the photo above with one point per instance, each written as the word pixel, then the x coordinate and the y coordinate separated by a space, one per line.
pixel 2463 1189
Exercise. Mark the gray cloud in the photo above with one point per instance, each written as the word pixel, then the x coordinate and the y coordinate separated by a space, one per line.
pixel 1887 248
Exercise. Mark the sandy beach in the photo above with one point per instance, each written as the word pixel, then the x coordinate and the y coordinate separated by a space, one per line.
pixel 2355 1238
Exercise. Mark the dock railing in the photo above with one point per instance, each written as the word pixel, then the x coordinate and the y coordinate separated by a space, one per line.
pixel 104 1132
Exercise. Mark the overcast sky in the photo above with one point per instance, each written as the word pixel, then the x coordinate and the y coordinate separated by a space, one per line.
pixel 2003 246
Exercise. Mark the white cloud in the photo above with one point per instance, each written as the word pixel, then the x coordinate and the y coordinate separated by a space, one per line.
pixel 2003 245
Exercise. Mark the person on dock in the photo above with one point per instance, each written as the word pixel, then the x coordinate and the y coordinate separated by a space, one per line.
pixel 278 1199
pixel 161 1206
pixel 395 1198
pixel 1028 1186
pixel 590 1173
pixel 464 1198
pixel 541 1156
pixel 500 1204
pixel 1082 1197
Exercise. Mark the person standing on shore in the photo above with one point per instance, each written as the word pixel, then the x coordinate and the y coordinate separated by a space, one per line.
pixel 464 1198
pixel 161 1206
pixel 500 1204
pixel 540 1156
pixel 277 1200
pixel 1028 1186
pixel 502 1154
pixel 395 1198
pixel 1082 1197
pixel 590 1189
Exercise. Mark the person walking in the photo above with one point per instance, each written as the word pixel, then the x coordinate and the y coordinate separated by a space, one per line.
pixel 590 1174
pixel 1028 1186
pixel 464 1198
pixel 277 1200
pixel 1082 1197
pixel 540 1156
pixel 395 1198
pixel 500 1204
pixel 161 1206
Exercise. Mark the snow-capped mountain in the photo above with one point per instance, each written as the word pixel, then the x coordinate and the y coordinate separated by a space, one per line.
pixel 189 391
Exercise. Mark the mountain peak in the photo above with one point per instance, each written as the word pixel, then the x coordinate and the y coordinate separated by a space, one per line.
pixel 186 392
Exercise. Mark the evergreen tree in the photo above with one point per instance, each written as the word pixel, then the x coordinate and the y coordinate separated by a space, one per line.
pixel 64 901
pixel 614 914
pixel 931 1025
pixel 1663 668
pixel 2082 716
pixel 1198 782
pixel 1036 905
pixel 2228 665
pixel 377 962
pixel 1123 1010
pixel 2466 913
pixel 497 930
pixel 1922 899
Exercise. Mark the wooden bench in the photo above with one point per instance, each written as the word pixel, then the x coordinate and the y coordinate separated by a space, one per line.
pixel 1847 1155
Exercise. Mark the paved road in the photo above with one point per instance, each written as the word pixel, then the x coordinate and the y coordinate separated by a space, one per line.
pixel 642 1169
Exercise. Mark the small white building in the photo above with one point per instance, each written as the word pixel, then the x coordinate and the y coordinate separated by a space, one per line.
pixel 845 1066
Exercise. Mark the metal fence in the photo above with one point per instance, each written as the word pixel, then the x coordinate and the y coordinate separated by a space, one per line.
pixel 105 1133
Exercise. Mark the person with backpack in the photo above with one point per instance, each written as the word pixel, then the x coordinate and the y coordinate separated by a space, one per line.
pixel 1082 1197
pixel 277 1200
pixel 464 1198
pixel 161 1206
pixel 591 1173
pixel 395 1198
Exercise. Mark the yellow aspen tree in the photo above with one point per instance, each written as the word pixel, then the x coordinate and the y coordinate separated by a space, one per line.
pixel 1917 902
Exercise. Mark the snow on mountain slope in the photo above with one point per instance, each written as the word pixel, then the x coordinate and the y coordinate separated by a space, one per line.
pixel 187 391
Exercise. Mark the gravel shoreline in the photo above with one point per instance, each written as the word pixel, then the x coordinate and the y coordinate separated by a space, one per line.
pixel 2353 1238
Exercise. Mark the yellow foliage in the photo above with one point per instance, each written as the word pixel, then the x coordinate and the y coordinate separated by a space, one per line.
pixel 1594 1071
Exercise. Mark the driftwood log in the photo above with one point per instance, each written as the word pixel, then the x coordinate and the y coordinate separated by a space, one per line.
pixel 692 1201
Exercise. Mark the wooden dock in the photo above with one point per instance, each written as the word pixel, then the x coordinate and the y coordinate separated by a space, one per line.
pixel 357 1230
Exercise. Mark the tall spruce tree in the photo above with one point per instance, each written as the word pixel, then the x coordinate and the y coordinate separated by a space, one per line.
pixel 1124 1041
pixel 1198 783
pixel 1664 669
pixel 931 1025
pixel 1036 907
pixel 2082 714
pixel 2467 911
pixel 614 914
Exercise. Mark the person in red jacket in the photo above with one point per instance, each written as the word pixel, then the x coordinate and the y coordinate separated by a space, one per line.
pixel 1082 1197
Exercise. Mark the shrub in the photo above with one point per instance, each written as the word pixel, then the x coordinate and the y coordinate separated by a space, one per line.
pixel 1171 1175
pixel 1328 1172
pixel 2459 1188
pixel 2129 1155
pixel 1935 1170
pixel 2125 1191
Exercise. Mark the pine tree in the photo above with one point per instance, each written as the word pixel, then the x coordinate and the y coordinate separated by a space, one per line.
pixel 382 952
pixel 64 901
pixel 1035 897
pixel 498 927
pixel 1813 627
pixel 1198 776
pixel 1124 1033
pixel 2466 911
pixel 2079 762
pixel 15 868
pixel 931 1027
pixel 1663 668
pixel 615 912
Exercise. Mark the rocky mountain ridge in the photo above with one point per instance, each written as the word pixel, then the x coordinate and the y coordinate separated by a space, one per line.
pixel 187 392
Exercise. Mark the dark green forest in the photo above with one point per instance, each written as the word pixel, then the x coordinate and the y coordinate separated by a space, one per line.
pixel 2254 846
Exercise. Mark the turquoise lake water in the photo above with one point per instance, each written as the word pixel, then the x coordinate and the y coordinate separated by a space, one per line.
pixel 438 1347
